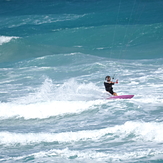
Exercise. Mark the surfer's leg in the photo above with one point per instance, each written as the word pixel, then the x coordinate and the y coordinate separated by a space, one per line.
pixel 115 94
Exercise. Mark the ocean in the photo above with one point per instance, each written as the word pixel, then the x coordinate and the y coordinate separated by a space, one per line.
pixel 54 56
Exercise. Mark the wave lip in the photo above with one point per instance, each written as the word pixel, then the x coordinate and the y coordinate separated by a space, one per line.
pixel 90 156
pixel 45 110
pixel 137 132
pixel 6 39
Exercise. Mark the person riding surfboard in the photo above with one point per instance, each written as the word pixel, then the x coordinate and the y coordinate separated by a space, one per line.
pixel 108 85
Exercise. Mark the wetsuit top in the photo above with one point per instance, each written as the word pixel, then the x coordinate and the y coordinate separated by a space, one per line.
pixel 108 87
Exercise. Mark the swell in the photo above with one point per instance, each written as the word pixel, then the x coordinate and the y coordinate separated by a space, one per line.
pixel 126 42
pixel 135 131
pixel 103 28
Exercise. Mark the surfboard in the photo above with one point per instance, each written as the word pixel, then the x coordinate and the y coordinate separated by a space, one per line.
pixel 121 97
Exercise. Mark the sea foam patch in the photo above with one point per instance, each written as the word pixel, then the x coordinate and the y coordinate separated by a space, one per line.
pixel 137 132
pixel 43 110
pixel 5 39
pixel 89 156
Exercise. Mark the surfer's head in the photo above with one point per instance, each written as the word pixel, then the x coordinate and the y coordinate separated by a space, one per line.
pixel 108 78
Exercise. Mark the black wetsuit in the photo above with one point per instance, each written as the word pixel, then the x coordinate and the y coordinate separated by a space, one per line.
pixel 108 87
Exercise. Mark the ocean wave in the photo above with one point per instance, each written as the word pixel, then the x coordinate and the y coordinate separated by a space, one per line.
pixel 6 39
pixel 139 132
pixel 22 20
pixel 44 110
pixel 67 155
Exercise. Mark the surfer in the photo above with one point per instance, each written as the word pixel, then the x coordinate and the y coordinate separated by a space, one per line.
pixel 108 85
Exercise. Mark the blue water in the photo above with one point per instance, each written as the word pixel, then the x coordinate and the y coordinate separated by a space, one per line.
pixel 54 56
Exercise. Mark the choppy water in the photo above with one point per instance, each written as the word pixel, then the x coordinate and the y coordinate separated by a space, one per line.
pixel 54 56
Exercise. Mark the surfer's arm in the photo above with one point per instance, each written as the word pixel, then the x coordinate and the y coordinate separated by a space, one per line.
pixel 115 82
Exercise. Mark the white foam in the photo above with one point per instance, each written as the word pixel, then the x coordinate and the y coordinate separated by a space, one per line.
pixel 8 138
pixel 72 90
pixel 45 109
pixel 149 100
pixel 69 90
pixel 5 39
pixel 141 132
pixel 53 100
pixel 91 155
pixel 100 156
pixel 50 18
pixel 149 131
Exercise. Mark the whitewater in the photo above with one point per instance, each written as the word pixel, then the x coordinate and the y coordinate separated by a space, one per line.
pixel 54 56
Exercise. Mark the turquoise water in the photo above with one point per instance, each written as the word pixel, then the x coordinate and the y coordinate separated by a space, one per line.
pixel 54 56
